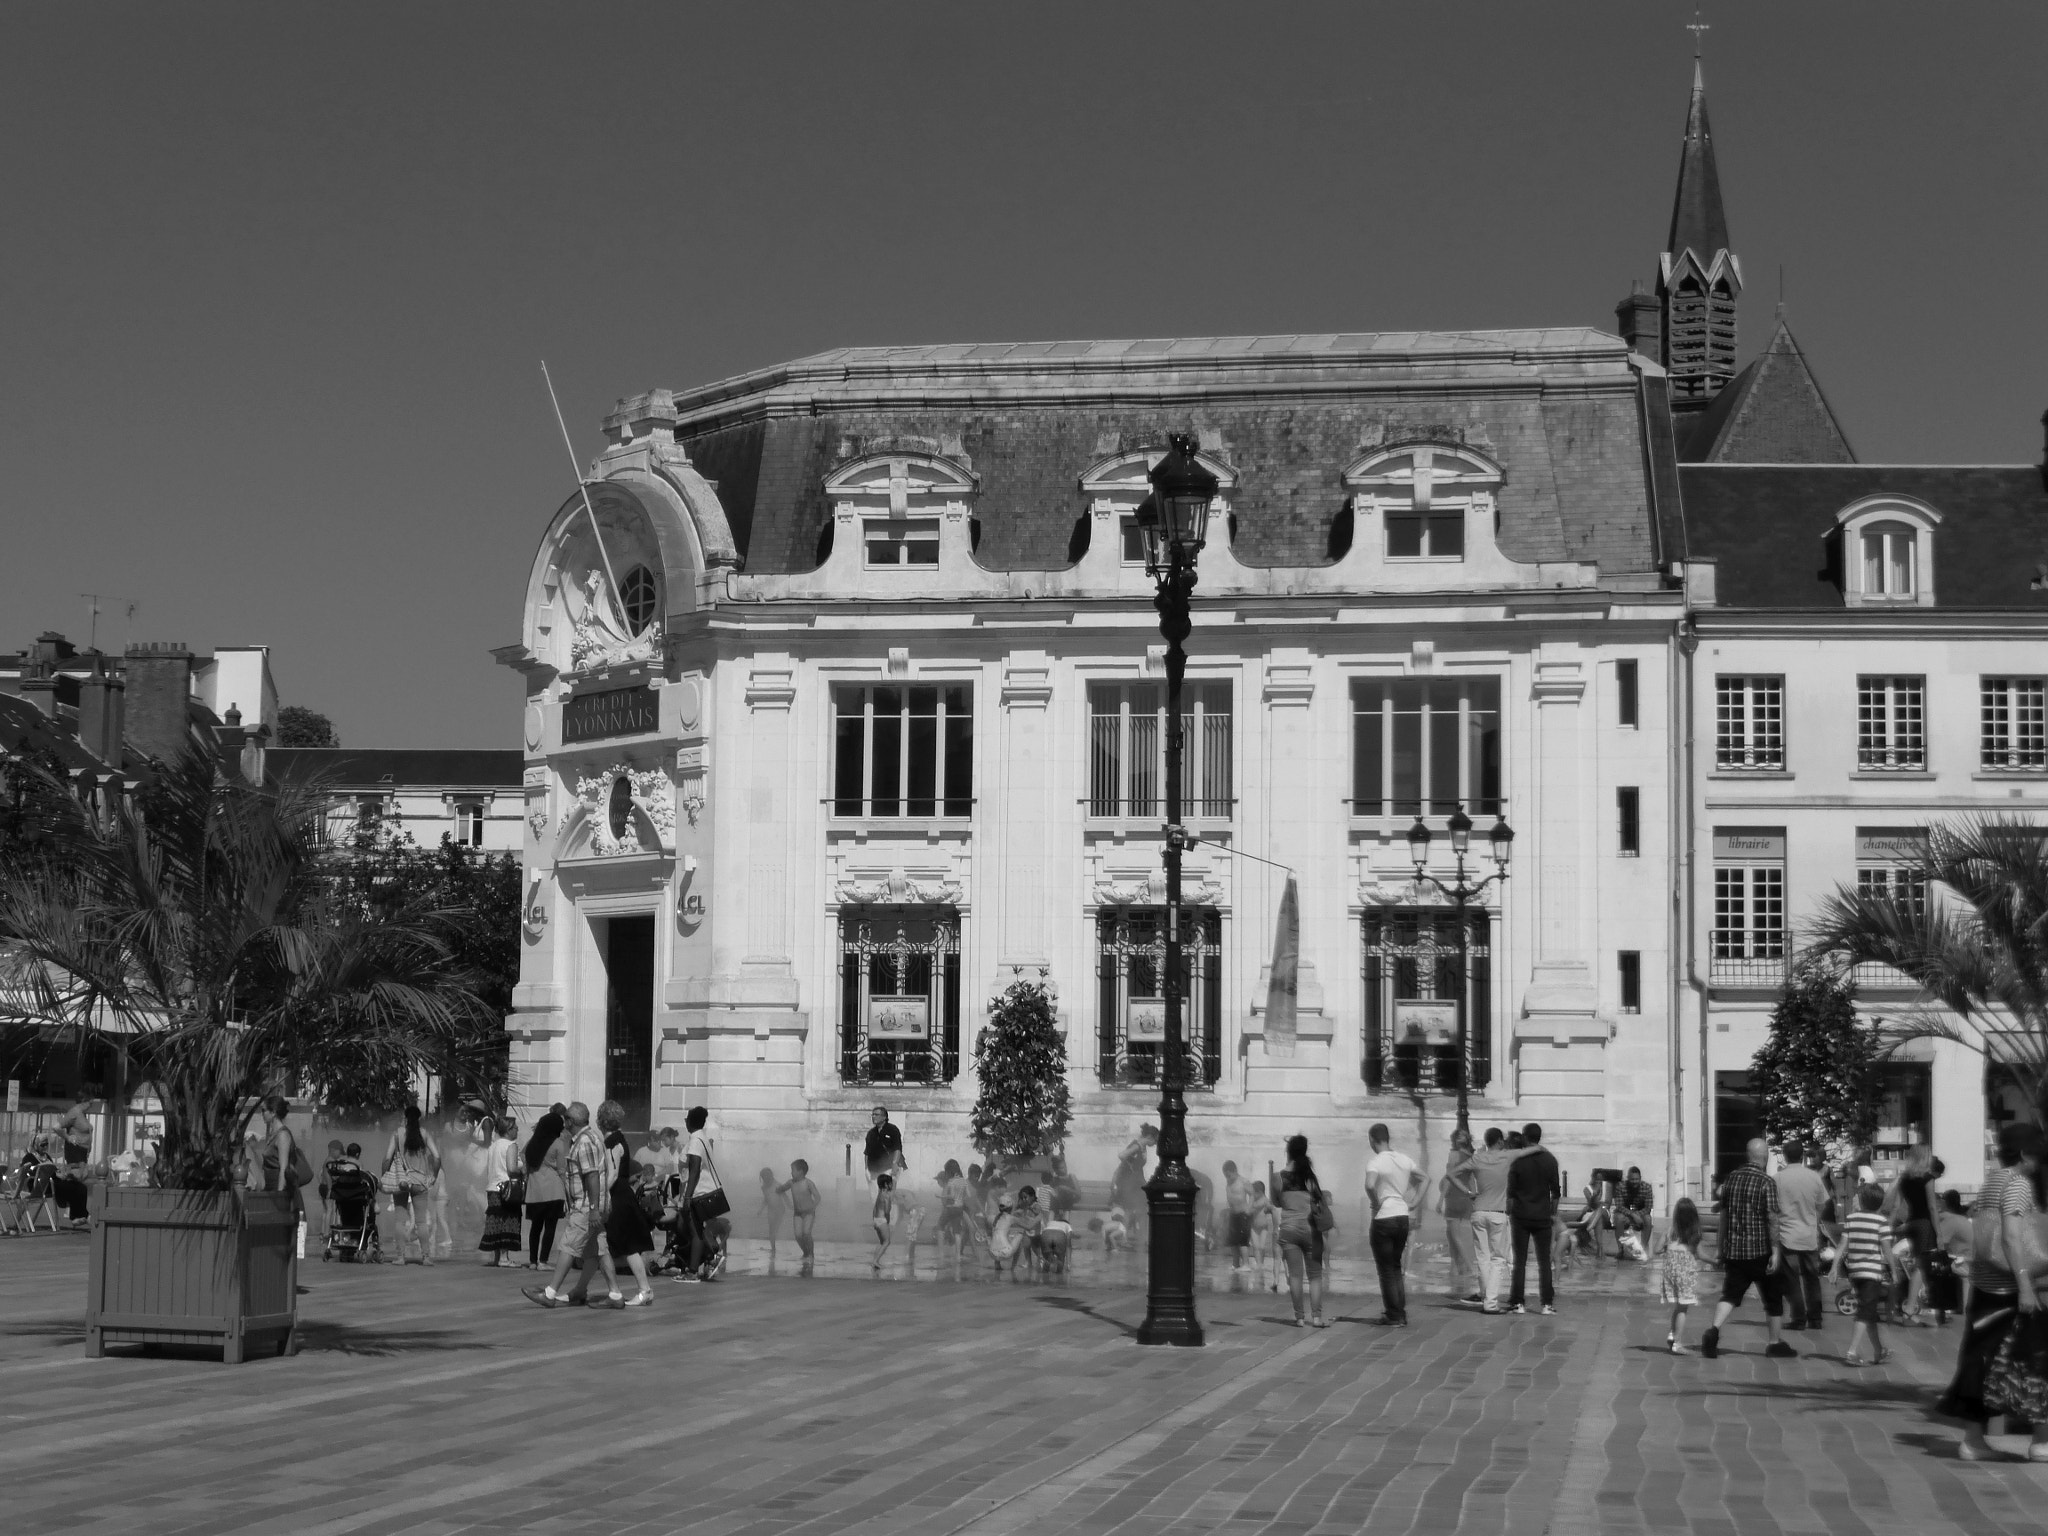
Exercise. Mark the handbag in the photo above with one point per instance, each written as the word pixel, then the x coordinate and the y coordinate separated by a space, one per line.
pixel 515 1190
pixel 712 1203
pixel 1321 1217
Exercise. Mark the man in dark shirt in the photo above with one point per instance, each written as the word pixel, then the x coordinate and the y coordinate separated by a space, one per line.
pixel 884 1149
pixel 1532 1208
pixel 1750 1251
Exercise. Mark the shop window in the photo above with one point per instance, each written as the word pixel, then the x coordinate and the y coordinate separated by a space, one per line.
pixel 899 995
pixel 1127 750
pixel 1425 747
pixel 903 751
pixel 1413 983
pixel 1130 969
pixel 2015 725
pixel 1749 724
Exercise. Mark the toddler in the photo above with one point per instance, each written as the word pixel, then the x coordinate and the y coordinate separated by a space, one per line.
pixel 1680 1284
pixel 774 1206
pixel 1116 1230
pixel 1864 1238
pixel 803 1207
pixel 1264 1225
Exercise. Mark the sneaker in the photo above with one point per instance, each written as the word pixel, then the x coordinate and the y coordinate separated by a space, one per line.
pixel 538 1295
pixel 1710 1343
pixel 717 1268
pixel 687 1277
pixel 1549 1311
pixel 1780 1350
pixel 1517 1309
pixel 1476 1297
pixel 1491 1310
pixel 576 1299
pixel 1388 1320
pixel 614 1302
pixel 643 1299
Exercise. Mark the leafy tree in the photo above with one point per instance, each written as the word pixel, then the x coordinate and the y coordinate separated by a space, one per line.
pixel 1021 1059
pixel 1971 928
pixel 1817 1074
pixel 382 873
pixel 298 726
pixel 181 918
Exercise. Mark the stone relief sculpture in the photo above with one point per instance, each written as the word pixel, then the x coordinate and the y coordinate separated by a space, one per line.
pixel 647 790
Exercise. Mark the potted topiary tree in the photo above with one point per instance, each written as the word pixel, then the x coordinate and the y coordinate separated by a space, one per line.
pixel 189 919
pixel 1023 1110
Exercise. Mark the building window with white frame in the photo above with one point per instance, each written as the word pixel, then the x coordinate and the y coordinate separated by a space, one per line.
pixel 1889 560
pixel 469 823
pixel 1423 493
pixel 1890 868
pixel 2015 725
pixel 1749 724
pixel 1747 944
pixel 1891 724
pixel 1127 749
pixel 1425 748
pixel 903 750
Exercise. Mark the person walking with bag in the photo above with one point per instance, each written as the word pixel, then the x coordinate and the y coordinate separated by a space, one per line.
pixel 2003 1322
pixel 1301 1244
pixel 409 1169
pixel 583 1233
pixel 704 1199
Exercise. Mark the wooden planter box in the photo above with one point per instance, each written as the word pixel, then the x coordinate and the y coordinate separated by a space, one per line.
pixel 175 1266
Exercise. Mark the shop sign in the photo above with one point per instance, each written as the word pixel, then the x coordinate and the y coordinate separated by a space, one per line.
pixel 1891 845
pixel 1744 844
pixel 610 712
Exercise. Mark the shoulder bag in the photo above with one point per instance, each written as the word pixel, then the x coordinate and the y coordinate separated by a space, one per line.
pixel 1322 1217
pixel 391 1181
pixel 1987 1236
pixel 712 1203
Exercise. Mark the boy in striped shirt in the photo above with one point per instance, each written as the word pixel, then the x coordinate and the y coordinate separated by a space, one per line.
pixel 1862 1255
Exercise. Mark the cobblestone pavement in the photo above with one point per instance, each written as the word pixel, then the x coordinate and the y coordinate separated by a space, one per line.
pixel 436 1400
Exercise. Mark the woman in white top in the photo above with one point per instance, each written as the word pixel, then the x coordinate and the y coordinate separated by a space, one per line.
pixel 700 1177
pixel 502 1163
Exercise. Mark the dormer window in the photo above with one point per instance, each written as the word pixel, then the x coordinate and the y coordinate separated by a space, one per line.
pixel 1888 560
pixel 1424 494
pixel 1887 551
pixel 902 541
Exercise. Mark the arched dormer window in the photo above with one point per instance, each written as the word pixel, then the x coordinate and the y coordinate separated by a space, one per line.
pixel 1887 551
pixel 1116 485
pixel 899 501
pixel 1423 494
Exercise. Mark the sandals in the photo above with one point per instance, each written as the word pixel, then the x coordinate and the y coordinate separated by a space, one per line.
pixel 1856 1360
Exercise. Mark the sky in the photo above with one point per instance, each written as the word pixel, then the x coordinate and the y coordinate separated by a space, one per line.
pixel 279 280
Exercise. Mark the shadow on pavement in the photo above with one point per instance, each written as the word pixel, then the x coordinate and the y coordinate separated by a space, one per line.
pixel 1076 1304
pixel 344 1339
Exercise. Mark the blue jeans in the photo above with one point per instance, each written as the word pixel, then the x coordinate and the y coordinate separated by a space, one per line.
pixel 1389 1238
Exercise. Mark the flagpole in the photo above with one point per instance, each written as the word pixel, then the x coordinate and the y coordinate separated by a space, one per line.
pixel 582 486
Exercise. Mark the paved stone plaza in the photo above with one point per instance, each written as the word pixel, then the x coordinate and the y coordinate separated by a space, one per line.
pixel 436 1400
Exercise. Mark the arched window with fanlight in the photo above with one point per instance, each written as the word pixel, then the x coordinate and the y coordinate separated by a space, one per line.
pixel 1887 551
pixel 639 596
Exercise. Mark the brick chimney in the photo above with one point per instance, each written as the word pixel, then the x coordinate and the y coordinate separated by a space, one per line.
pixel 159 695
pixel 1641 321
pixel 102 699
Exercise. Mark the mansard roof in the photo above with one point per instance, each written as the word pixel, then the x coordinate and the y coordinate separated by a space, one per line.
pixel 1698 222
pixel 1560 411
pixel 1772 528
pixel 1773 412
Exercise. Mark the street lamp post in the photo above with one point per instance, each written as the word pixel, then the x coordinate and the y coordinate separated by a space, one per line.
pixel 1174 520
pixel 1462 891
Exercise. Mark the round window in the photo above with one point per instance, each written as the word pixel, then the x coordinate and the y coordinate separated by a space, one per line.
pixel 639 597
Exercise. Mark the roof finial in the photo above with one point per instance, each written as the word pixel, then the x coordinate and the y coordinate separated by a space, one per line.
pixel 1781 290
pixel 1696 28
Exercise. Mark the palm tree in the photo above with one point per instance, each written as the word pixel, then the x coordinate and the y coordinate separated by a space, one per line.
pixel 187 921
pixel 1981 956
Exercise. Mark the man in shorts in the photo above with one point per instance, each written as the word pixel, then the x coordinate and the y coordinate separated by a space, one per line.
pixel 583 1225
pixel 1750 1250
pixel 1237 1200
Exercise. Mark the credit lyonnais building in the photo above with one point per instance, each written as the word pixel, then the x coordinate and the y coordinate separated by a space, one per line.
pixel 845 711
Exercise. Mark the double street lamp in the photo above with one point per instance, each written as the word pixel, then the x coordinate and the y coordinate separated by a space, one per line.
pixel 1461 892
pixel 1174 521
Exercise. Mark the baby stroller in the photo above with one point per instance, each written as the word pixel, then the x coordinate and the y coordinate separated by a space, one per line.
pixel 351 1214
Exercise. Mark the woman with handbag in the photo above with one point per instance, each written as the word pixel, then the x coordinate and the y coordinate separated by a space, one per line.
pixel 2003 1367
pixel 546 1195
pixel 409 1169
pixel 504 1193
pixel 1304 1217
pixel 626 1229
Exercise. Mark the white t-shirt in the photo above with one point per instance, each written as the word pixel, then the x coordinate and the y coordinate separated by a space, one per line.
pixel 707 1176
pixel 1388 1176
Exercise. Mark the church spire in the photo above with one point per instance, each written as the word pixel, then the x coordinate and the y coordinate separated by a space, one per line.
pixel 1699 278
